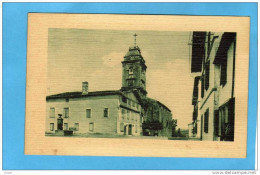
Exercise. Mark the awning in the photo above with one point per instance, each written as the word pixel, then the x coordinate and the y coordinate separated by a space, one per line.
pixel 226 40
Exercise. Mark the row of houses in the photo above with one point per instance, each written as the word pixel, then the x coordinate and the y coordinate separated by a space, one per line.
pixel 127 111
pixel 213 68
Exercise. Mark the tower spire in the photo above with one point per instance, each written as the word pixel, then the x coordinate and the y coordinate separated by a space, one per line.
pixel 135 35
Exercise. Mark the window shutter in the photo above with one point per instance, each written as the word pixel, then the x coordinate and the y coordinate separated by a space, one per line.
pixel 207 70
pixel 206 121
pixel 202 86
pixel 223 67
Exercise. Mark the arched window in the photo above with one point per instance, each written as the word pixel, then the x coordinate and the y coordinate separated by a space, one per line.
pixel 131 71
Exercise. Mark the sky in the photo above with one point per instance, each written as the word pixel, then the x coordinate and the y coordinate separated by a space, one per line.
pixel 77 55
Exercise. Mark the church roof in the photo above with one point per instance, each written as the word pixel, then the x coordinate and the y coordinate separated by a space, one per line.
pixel 133 55
pixel 159 103
pixel 162 105
pixel 79 94
pixel 133 51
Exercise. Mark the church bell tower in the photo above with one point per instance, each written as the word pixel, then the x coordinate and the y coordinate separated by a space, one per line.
pixel 134 70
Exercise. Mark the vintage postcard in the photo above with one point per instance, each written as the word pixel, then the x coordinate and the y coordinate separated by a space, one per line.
pixel 137 85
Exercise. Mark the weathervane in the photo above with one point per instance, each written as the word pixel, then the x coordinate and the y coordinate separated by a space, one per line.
pixel 135 35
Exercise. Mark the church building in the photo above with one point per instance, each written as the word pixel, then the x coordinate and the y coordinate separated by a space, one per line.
pixel 127 111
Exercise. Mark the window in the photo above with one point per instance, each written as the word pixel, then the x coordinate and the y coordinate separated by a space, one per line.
pixel 121 127
pixel 207 69
pixel 106 112
pixel 206 121
pixel 202 86
pixel 66 127
pixel 202 122
pixel 123 113
pixel 51 126
pixel 223 71
pixel 67 99
pixel 66 112
pixel 76 126
pixel 91 127
pixel 128 115
pixel 135 128
pixel 226 120
pixel 124 99
pixel 52 112
pixel 131 71
pixel 88 113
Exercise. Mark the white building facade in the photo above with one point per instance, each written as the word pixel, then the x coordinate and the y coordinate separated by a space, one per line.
pixel 213 57
pixel 101 112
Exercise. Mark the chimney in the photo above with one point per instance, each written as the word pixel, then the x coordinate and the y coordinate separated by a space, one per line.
pixel 84 88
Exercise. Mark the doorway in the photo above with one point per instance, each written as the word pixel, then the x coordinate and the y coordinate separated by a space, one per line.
pixel 125 130
pixel 60 123
pixel 201 127
pixel 130 130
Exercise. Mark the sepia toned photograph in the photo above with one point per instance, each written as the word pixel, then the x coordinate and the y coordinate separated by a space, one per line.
pixel 143 85
pixel 132 85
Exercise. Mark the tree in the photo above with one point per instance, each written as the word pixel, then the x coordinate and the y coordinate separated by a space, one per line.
pixel 179 132
pixel 154 125
pixel 174 125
